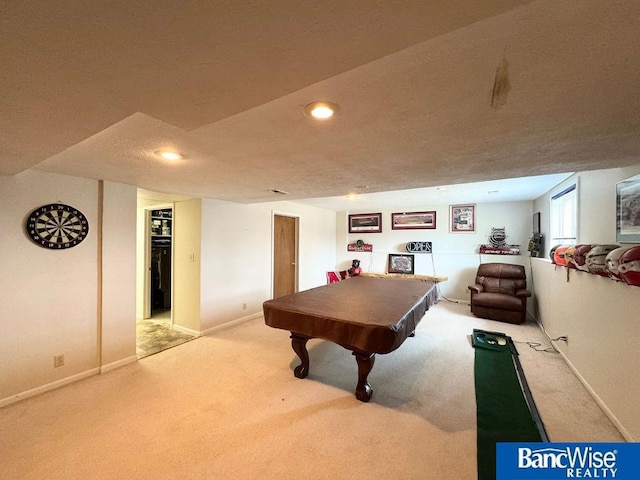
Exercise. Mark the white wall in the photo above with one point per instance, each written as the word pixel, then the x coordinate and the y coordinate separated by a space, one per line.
pixel 81 302
pixel 50 298
pixel 456 255
pixel 187 266
pixel 118 322
pixel 596 205
pixel 600 318
pixel 237 255
pixel 599 315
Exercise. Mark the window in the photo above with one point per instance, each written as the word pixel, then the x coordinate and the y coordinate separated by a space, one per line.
pixel 564 217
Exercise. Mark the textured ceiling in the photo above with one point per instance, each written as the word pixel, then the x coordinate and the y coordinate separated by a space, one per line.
pixel 431 93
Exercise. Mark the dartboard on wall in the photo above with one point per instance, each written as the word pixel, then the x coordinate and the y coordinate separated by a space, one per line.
pixel 57 226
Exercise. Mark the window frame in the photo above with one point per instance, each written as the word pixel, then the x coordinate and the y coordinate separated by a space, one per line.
pixel 564 230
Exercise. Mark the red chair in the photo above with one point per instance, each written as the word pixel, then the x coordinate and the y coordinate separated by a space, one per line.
pixel 332 277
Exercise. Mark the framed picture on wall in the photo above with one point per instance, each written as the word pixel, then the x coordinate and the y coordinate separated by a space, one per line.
pixel 365 223
pixel 628 210
pixel 400 263
pixel 463 218
pixel 536 222
pixel 413 220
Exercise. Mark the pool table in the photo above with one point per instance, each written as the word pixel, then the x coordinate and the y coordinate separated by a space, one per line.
pixel 367 315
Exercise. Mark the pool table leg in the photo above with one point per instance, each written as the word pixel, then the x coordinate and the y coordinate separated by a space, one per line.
pixel 364 392
pixel 299 345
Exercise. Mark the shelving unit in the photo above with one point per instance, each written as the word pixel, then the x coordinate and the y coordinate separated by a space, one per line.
pixel 161 227
pixel 161 232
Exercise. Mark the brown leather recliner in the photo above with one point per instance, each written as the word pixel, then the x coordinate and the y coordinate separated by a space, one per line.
pixel 500 292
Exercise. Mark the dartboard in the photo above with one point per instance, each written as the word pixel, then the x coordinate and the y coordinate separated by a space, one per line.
pixel 57 226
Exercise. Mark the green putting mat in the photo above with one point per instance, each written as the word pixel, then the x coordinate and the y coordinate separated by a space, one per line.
pixel 505 408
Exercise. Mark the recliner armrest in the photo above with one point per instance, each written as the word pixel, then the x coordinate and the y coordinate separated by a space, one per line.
pixel 476 288
pixel 523 293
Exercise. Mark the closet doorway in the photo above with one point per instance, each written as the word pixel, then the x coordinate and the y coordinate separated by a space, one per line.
pixel 154 328
pixel 155 293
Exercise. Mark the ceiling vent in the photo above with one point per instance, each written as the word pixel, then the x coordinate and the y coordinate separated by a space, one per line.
pixel 279 192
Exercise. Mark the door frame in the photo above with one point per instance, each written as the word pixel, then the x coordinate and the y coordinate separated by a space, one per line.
pixel 274 214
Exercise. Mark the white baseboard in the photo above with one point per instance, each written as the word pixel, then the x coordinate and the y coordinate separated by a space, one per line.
pixel 66 381
pixel 112 366
pixel 616 423
pixel 120 363
pixel 186 330
pixel 230 324
pixel 49 386
pixel 627 436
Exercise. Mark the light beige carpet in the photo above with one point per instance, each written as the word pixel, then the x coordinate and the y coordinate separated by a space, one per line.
pixel 227 406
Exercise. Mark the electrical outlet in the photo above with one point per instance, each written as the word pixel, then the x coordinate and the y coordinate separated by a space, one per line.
pixel 244 306
pixel 58 361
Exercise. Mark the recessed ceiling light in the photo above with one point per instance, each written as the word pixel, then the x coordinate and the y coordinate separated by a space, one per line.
pixel 321 110
pixel 169 155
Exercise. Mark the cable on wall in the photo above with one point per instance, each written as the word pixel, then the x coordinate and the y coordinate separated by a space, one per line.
pixel 440 295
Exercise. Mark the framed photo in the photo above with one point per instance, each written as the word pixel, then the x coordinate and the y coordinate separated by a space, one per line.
pixel 413 220
pixel 463 218
pixel 365 223
pixel 400 263
pixel 536 222
pixel 628 210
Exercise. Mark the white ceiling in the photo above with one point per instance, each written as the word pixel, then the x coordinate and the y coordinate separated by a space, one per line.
pixel 432 93
pixel 418 199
